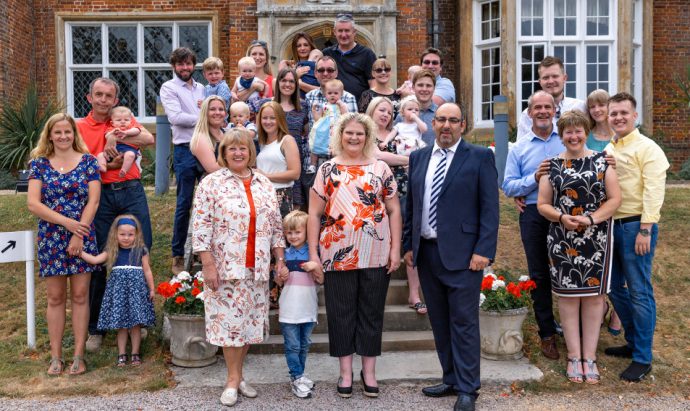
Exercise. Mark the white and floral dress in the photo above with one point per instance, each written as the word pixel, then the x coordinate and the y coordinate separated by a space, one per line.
pixel 226 218
pixel 580 259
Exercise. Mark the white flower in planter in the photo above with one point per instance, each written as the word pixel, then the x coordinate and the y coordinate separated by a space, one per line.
pixel 498 284
pixel 482 298
pixel 184 276
pixel 523 278
pixel 200 296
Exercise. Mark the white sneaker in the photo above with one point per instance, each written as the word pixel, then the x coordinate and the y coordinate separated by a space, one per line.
pixel 300 389
pixel 311 169
pixel 93 343
pixel 309 383
pixel 229 397
pixel 247 390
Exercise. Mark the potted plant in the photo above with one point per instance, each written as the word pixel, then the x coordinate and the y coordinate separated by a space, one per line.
pixel 184 309
pixel 502 309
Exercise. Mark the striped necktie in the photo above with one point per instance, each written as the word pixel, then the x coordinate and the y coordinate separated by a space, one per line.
pixel 436 184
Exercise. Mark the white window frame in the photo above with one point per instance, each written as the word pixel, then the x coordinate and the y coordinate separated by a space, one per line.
pixel 479 46
pixel 580 41
pixel 140 66
pixel 637 62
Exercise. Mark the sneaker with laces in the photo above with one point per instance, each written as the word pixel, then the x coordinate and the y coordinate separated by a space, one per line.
pixel 93 343
pixel 309 383
pixel 300 389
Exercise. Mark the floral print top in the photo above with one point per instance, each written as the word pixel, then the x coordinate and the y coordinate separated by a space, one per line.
pixel 221 224
pixel 355 231
pixel 66 194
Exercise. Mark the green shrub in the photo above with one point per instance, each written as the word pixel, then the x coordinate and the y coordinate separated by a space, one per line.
pixel 684 172
pixel 7 180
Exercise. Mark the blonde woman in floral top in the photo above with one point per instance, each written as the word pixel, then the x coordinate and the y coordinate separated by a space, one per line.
pixel 236 226
pixel 354 234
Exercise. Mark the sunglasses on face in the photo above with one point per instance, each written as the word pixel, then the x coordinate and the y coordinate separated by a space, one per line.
pixel 344 16
pixel 382 70
pixel 259 42
pixel 325 70
pixel 431 62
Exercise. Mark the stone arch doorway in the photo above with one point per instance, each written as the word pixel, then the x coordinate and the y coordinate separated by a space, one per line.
pixel 323 37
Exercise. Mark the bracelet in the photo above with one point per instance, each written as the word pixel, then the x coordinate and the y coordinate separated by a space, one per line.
pixel 591 220
pixel 560 218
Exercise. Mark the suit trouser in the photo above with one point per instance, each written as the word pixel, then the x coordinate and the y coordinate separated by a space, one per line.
pixel 355 301
pixel 452 299
pixel 534 228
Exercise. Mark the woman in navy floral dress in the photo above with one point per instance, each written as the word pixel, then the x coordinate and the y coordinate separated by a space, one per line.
pixel 64 189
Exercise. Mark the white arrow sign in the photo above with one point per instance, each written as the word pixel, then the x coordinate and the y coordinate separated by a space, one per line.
pixel 16 246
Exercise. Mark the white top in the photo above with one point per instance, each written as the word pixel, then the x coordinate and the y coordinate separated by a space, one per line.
pixel 272 160
pixel 409 138
pixel 436 155
pixel 254 95
pixel 567 104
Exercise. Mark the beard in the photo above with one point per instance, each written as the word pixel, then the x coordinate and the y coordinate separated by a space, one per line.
pixel 184 76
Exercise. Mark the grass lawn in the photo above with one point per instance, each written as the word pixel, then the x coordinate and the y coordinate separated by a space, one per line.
pixel 22 370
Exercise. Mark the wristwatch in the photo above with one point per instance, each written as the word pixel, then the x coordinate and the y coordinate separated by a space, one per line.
pixel 644 232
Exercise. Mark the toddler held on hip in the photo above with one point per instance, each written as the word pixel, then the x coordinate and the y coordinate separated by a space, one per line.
pixel 250 86
pixel 325 117
pixel 408 133
pixel 128 300
pixel 298 301
pixel 120 127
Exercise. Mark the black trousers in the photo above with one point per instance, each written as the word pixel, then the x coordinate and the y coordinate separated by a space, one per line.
pixel 534 228
pixel 355 301
pixel 452 298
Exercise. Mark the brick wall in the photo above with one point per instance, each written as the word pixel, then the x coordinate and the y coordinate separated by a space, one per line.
pixel 671 56
pixel 16 58
pixel 412 34
pixel 449 35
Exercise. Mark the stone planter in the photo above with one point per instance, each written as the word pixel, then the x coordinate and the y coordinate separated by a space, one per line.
pixel 188 342
pixel 500 333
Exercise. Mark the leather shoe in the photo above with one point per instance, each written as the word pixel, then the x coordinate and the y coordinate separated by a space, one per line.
pixel 439 390
pixel 549 348
pixel 465 402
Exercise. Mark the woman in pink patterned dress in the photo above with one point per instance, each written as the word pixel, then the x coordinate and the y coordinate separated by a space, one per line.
pixel 236 226
pixel 354 234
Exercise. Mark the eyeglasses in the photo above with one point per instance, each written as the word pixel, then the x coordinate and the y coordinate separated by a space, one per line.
pixel 259 42
pixel 431 62
pixel 382 70
pixel 451 120
pixel 325 70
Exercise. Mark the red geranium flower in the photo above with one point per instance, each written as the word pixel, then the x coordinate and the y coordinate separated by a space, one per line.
pixel 180 300
pixel 195 291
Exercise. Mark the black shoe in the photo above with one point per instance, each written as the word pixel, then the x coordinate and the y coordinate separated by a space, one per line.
pixel 557 327
pixel 622 351
pixel 439 390
pixel 344 392
pixel 465 402
pixel 372 392
pixel 636 372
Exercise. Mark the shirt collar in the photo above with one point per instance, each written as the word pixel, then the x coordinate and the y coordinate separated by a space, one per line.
pixel 181 83
pixel 532 135
pixel 626 139
pixel 91 121
pixel 452 148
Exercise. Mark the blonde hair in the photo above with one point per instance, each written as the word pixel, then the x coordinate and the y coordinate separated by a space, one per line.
pixel 369 132
pixel 212 63
pixel 201 129
pixel 281 122
pixel 112 247
pixel 375 103
pixel 246 61
pixel 294 220
pixel 407 101
pixel 598 96
pixel 239 106
pixel 573 118
pixel 335 83
pixel 45 148
pixel 236 136
pixel 121 110
pixel 267 66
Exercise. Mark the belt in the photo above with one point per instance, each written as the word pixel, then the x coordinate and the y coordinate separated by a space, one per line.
pixel 626 220
pixel 122 185
pixel 430 240
pixel 183 145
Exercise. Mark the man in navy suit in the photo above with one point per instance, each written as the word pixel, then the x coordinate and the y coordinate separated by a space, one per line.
pixel 451 235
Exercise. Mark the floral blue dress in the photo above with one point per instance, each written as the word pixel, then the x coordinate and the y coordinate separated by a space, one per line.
pixel 66 194
pixel 126 301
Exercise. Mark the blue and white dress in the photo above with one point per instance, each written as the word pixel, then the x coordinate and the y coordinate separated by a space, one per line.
pixel 126 300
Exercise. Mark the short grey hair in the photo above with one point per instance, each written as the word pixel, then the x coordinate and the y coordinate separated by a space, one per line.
pixel 344 18
pixel 107 81
pixel 530 100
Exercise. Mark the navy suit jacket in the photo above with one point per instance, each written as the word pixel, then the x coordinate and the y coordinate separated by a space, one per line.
pixel 467 209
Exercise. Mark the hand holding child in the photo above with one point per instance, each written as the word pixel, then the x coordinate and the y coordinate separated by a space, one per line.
pixel 342 106
pixel 315 269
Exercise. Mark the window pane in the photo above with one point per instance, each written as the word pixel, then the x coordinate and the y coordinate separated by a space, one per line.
pixel 81 80
pixel 570 27
pixel 127 79
pixel 86 45
pixel 198 75
pixel 559 8
pixel 538 8
pixel 122 45
pixel 559 26
pixel 603 72
pixel 603 7
pixel 526 27
pixel 196 38
pixel 486 11
pixel 153 80
pixel 157 44
pixel 603 26
pixel 539 27
pixel 486 30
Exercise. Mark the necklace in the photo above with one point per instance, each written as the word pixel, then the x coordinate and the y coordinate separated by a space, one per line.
pixel 242 176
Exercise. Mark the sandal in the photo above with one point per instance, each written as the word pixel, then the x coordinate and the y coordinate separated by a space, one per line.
pixel 591 376
pixel 420 307
pixel 56 367
pixel 136 360
pixel 574 376
pixel 76 362
pixel 122 360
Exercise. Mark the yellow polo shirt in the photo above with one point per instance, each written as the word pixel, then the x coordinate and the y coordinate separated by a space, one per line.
pixel 641 168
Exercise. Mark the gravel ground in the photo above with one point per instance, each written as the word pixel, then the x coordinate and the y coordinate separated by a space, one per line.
pixel 394 396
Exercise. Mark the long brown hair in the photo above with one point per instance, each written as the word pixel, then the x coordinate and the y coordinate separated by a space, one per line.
pixel 112 247
pixel 295 39
pixel 45 148
pixel 294 98
pixel 281 122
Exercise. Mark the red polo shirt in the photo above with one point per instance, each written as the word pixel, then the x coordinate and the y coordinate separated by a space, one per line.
pixel 93 134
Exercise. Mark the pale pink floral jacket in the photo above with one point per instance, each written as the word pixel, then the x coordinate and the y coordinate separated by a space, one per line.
pixel 221 224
